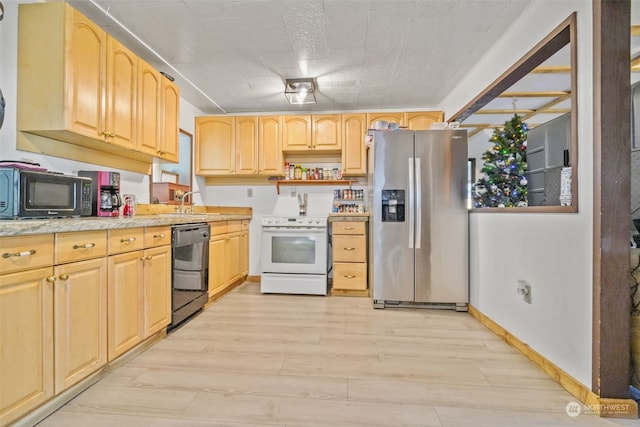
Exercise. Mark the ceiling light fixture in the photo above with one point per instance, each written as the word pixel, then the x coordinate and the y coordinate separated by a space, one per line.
pixel 300 91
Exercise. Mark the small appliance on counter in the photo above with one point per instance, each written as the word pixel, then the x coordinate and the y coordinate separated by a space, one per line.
pixel 29 191
pixel 105 192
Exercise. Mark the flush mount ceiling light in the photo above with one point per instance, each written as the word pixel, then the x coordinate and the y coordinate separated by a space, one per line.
pixel 300 91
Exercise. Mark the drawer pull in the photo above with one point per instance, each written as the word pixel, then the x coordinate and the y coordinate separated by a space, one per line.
pixel 64 276
pixel 85 246
pixel 51 279
pixel 19 254
pixel 129 240
pixel 159 236
pixel 349 276
pixel 349 228
pixel 349 249
pixel 146 258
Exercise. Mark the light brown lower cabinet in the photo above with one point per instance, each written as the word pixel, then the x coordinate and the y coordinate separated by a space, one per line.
pixel 26 334
pixel 139 297
pixel 349 256
pixel 228 254
pixel 80 320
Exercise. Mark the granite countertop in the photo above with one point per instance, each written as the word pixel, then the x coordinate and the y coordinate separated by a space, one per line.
pixel 349 217
pixel 58 225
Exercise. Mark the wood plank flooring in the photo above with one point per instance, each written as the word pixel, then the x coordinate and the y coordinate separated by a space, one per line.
pixel 280 360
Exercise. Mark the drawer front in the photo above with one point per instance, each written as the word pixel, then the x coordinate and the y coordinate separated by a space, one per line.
pixel 80 245
pixel 25 252
pixel 233 226
pixel 218 227
pixel 157 236
pixel 125 240
pixel 349 248
pixel 348 227
pixel 350 275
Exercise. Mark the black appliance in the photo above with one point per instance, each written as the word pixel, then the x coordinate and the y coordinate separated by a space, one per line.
pixel 190 268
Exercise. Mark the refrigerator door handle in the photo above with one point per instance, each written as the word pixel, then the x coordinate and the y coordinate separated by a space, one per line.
pixel 418 195
pixel 411 202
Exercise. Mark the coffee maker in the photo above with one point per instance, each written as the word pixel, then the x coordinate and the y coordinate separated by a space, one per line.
pixel 105 192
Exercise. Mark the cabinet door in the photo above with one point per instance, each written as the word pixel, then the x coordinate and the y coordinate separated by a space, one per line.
pixel 85 60
pixel 149 108
pixel 423 120
pixel 157 289
pixel 218 264
pixel 270 145
pixel 121 97
pixel 246 145
pixel 354 150
pixel 215 145
pixel 296 133
pixel 125 302
pixel 26 334
pixel 233 247
pixel 80 319
pixel 387 117
pixel 327 132
pixel 244 253
pixel 170 129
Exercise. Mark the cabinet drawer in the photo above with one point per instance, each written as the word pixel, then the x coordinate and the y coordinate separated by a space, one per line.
pixel 219 227
pixel 349 248
pixel 348 227
pixel 25 252
pixel 350 275
pixel 157 236
pixel 233 226
pixel 75 246
pixel 125 240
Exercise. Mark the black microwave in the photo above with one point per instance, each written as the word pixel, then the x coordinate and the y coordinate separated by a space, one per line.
pixel 35 194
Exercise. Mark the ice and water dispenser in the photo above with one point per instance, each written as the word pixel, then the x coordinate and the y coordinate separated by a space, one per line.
pixel 393 202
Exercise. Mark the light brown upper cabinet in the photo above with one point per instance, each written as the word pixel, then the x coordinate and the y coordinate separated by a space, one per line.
pixel 169 145
pixel 422 120
pixel 215 145
pixel 296 133
pixel 149 108
pixel 354 151
pixel 387 117
pixel 246 145
pixel 79 85
pixel 270 145
pixel 326 132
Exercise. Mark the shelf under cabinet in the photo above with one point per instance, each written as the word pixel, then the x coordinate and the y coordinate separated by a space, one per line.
pixel 334 182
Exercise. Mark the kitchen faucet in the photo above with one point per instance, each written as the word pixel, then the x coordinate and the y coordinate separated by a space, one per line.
pixel 184 196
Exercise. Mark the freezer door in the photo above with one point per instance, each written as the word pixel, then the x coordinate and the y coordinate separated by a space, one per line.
pixel 392 237
pixel 441 217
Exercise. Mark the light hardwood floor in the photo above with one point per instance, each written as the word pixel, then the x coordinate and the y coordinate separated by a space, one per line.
pixel 280 360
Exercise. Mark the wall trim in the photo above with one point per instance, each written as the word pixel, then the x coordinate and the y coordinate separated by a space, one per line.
pixel 604 407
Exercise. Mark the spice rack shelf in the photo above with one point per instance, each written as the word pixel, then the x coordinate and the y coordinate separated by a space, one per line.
pixel 304 182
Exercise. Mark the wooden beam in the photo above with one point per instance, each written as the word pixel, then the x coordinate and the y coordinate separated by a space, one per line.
pixel 547 94
pixel 635 30
pixel 505 111
pixel 552 69
pixel 611 198
pixel 635 65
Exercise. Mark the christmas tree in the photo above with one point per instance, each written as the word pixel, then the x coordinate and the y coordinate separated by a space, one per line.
pixel 504 182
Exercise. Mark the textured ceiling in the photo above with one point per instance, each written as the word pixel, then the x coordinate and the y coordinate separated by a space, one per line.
pixel 232 56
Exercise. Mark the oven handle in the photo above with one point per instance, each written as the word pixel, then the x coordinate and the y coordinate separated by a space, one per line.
pixel 295 230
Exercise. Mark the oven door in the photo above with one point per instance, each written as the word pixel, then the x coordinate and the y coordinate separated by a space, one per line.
pixel 291 250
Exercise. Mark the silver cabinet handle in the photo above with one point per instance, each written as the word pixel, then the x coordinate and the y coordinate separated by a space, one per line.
pixel 129 240
pixel 85 246
pixel 19 254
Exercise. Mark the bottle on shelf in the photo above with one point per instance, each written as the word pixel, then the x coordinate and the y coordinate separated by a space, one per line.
pixel 298 172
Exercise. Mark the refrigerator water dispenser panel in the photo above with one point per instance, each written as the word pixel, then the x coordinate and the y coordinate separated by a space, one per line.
pixel 392 205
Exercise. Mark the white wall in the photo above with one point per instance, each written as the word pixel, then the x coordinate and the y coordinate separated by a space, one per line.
pixel 131 182
pixel 553 252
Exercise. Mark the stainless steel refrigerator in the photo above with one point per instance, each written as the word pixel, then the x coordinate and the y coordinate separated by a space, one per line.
pixel 419 225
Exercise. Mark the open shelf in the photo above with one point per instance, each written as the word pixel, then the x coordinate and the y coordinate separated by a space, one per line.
pixel 302 182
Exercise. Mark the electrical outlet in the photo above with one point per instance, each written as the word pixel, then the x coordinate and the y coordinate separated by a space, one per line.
pixel 524 289
pixel 293 193
pixel 249 192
